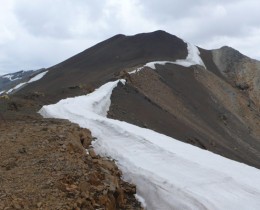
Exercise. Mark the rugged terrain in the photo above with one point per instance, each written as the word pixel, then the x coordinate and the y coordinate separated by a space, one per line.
pixel 214 105
pixel 193 105
pixel 44 165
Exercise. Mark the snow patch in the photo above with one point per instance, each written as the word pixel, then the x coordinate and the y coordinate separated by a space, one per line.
pixel 1 92
pixel 169 174
pixel 37 77
pixel 193 58
pixel 16 87
pixel 10 77
pixel 141 200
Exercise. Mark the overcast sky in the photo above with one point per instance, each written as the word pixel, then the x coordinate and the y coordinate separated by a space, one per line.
pixel 42 33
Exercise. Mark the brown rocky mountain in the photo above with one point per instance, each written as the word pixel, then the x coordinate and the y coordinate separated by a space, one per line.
pixel 215 108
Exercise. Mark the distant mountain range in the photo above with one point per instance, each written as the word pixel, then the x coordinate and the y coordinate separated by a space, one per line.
pixel 9 81
pixel 208 98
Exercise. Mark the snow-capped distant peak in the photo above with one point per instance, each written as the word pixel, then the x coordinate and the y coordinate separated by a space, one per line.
pixel 33 79
pixel 193 58
pixel 11 77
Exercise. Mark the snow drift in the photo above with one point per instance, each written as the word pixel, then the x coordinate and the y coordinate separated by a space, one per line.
pixel 169 174
pixel 193 58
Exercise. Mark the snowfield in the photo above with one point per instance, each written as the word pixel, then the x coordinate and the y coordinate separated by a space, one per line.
pixel 169 174
pixel 193 58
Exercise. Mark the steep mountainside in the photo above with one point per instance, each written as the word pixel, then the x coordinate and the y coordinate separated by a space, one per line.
pixel 103 61
pixel 212 103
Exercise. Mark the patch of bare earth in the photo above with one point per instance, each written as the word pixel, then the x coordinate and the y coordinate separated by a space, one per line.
pixel 44 165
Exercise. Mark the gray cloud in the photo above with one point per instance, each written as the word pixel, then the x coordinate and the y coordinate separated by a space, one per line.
pixel 41 33
pixel 60 19
pixel 208 20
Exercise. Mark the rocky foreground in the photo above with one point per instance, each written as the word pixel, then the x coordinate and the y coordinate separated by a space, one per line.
pixel 44 165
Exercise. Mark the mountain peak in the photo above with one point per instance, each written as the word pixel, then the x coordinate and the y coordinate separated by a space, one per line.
pixel 160 32
pixel 230 52
pixel 157 34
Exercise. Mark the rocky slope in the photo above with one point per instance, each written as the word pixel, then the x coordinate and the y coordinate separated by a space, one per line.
pixel 44 165
pixel 240 71
pixel 204 110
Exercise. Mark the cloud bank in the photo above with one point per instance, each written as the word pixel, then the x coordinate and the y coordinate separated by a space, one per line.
pixel 42 33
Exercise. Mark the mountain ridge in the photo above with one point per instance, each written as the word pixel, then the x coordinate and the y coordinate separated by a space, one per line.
pixel 204 107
